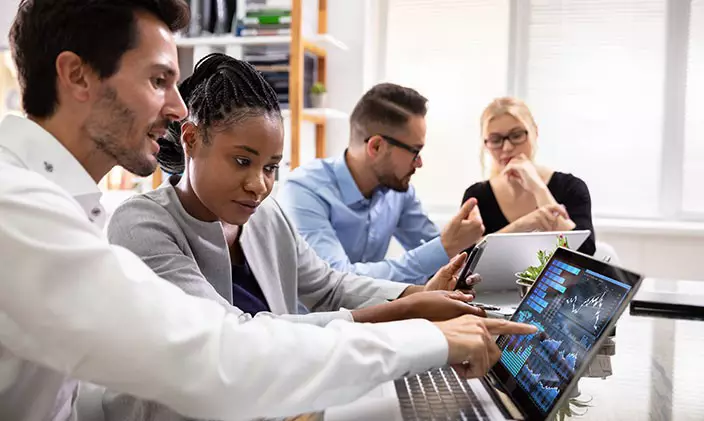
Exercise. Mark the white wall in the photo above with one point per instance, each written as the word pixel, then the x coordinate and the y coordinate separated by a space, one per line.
pixel 663 250
pixel 8 10
pixel 350 22
pixel 669 256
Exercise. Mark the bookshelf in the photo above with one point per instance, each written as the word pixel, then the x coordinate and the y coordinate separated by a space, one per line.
pixel 323 41
pixel 317 44
pixel 305 126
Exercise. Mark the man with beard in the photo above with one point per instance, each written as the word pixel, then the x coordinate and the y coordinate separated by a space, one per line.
pixel 98 81
pixel 348 208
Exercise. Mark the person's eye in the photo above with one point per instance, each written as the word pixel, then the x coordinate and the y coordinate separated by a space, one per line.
pixel 494 140
pixel 271 169
pixel 159 82
pixel 242 162
pixel 516 135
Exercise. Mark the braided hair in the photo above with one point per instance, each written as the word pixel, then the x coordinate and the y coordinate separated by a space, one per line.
pixel 222 91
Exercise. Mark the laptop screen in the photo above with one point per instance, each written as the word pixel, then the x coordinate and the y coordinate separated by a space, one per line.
pixel 572 303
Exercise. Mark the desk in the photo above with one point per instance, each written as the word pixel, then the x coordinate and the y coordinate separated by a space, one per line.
pixel 652 370
pixel 657 368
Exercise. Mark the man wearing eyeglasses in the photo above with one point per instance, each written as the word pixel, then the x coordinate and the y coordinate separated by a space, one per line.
pixel 348 208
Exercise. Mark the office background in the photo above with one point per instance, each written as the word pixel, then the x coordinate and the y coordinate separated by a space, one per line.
pixel 616 88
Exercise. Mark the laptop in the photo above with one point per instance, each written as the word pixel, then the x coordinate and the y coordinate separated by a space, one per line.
pixel 501 255
pixel 575 303
pixel 674 300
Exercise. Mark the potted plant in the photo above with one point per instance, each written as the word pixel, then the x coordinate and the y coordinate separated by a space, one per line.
pixel 527 278
pixel 573 408
pixel 318 95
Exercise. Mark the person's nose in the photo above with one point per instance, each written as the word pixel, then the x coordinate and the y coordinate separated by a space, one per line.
pixel 256 183
pixel 418 162
pixel 174 108
pixel 507 146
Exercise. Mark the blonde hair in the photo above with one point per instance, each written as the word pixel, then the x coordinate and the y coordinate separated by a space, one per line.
pixel 515 108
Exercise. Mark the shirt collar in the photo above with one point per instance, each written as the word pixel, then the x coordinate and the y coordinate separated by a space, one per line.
pixel 41 152
pixel 348 187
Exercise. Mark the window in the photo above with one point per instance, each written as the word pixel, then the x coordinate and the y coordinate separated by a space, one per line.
pixel 693 172
pixel 455 54
pixel 594 80
pixel 604 79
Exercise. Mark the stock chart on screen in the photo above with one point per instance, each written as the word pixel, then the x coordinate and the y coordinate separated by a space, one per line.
pixel 570 307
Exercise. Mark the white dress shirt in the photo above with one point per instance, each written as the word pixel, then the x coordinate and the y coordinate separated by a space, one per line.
pixel 71 303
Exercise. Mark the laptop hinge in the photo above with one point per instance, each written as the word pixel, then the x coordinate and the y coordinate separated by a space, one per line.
pixel 501 399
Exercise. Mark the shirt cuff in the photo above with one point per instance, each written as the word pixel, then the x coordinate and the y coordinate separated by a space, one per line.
pixel 391 290
pixel 419 344
pixel 432 255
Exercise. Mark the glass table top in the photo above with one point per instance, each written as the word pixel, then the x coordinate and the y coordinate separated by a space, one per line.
pixel 656 368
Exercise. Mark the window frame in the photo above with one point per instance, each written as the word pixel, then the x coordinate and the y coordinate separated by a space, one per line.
pixel 671 182
pixel 670 194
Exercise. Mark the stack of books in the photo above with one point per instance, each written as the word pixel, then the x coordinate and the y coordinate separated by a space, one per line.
pixel 264 19
pixel 211 17
pixel 273 63
pixel 271 18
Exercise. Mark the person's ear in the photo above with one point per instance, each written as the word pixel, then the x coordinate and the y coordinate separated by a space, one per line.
pixel 75 78
pixel 374 145
pixel 189 138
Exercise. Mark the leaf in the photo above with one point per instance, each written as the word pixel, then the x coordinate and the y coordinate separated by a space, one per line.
pixel 544 256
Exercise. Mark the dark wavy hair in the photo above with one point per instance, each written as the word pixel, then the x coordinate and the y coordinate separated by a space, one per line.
pixel 385 105
pixel 222 91
pixel 99 31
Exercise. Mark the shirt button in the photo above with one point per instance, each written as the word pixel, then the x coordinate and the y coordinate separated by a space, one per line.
pixel 48 166
pixel 95 212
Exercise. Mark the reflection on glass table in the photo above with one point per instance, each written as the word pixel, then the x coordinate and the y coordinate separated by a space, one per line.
pixel 656 368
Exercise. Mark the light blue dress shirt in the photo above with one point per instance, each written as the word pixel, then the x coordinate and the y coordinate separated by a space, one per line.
pixel 353 233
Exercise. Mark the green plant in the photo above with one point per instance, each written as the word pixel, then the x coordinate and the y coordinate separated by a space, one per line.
pixel 317 88
pixel 532 272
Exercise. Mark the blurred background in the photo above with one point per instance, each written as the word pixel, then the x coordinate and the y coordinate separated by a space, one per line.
pixel 616 88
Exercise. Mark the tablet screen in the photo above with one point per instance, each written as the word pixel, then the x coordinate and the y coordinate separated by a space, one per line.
pixel 572 302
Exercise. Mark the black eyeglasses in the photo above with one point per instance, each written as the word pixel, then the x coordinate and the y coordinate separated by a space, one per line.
pixel 394 142
pixel 496 141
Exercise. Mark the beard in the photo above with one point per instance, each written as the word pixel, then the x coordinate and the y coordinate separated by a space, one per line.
pixel 112 128
pixel 389 180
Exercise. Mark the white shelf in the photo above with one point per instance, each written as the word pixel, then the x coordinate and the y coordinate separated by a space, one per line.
pixel 320 40
pixel 328 113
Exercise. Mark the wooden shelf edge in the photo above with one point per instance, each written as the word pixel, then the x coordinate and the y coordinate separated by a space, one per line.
pixel 317 114
pixel 314 49
pixel 317 42
pixel 312 118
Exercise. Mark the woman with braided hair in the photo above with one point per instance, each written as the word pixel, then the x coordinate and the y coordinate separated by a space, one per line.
pixel 212 230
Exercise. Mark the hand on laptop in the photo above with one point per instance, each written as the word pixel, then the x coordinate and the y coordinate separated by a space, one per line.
pixel 439 305
pixel 470 341
pixel 430 305
pixel 464 230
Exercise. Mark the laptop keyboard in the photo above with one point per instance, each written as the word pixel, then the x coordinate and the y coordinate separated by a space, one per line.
pixel 436 395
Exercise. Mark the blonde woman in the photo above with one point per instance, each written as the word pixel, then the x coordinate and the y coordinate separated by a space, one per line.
pixel 521 196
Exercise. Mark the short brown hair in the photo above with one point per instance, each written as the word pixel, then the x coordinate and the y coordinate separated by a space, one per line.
pixel 99 31
pixel 388 105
